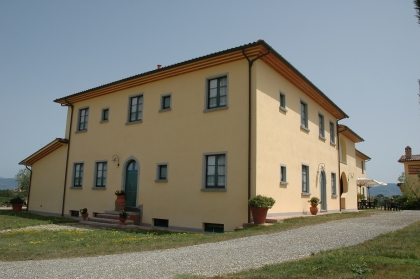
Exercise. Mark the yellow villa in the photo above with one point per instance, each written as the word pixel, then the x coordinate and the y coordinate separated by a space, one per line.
pixel 190 143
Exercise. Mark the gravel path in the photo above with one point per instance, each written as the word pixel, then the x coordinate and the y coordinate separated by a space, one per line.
pixel 217 258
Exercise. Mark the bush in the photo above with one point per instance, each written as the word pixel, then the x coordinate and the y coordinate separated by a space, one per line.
pixel 411 203
pixel 261 201
pixel 16 200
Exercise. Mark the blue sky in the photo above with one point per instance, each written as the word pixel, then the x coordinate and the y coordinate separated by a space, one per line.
pixel 364 55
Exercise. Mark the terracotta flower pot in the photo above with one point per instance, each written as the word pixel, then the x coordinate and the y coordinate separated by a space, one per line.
pixel 259 215
pixel 122 220
pixel 120 203
pixel 85 216
pixel 17 207
pixel 313 209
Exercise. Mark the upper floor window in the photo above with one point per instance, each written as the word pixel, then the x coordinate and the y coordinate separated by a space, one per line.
pixel 165 102
pixel 282 101
pixel 303 115
pixel 321 126
pixel 305 179
pixel 100 174
pixel 363 166
pixel 78 175
pixel 162 172
pixel 217 92
pixel 105 115
pixel 83 119
pixel 136 108
pixel 283 174
pixel 332 132
pixel 215 171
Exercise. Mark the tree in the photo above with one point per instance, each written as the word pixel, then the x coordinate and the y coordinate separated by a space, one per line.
pixel 410 185
pixel 23 179
pixel 417 7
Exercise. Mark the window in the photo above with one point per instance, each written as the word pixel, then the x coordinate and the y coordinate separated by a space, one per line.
pixel 321 126
pixel 78 175
pixel 100 177
pixel 333 185
pixel 363 166
pixel 332 133
pixel 83 119
pixel 214 228
pixel 217 92
pixel 136 108
pixel 215 171
pixel 105 115
pixel 305 179
pixel 282 101
pixel 161 223
pixel 161 172
pixel 303 115
pixel 165 102
pixel 283 175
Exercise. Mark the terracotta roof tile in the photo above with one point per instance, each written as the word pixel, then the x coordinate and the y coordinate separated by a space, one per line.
pixel 413 158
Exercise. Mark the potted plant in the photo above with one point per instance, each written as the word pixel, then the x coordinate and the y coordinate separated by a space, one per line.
pixel 314 201
pixel 259 206
pixel 84 213
pixel 361 197
pixel 123 216
pixel 120 202
pixel 17 203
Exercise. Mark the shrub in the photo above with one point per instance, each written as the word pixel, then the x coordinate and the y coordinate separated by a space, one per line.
pixel 16 200
pixel 261 201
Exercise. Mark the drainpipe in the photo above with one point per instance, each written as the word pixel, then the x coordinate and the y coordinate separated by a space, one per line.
pixel 250 63
pixel 68 151
pixel 29 189
pixel 338 158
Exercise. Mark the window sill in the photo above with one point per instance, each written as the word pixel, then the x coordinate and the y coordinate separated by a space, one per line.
pixel 98 188
pixel 344 163
pixel 322 138
pixel 167 109
pixel 215 109
pixel 77 188
pixel 134 122
pixel 305 194
pixel 161 180
pixel 334 196
pixel 284 183
pixel 81 131
pixel 213 190
pixel 332 143
pixel 304 128
pixel 104 121
pixel 283 109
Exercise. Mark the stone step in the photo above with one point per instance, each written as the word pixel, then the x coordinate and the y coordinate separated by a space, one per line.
pixel 109 225
pixel 108 216
pixel 109 221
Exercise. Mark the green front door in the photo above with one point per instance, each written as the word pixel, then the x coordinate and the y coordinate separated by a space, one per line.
pixel 131 175
pixel 323 183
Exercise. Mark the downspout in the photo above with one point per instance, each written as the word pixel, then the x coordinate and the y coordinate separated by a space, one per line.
pixel 68 151
pixel 250 63
pixel 29 189
pixel 338 158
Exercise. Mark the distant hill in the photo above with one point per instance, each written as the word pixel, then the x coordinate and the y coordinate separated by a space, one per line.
pixel 389 190
pixel 8 183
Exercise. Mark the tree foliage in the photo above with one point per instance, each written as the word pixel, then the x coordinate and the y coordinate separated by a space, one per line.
pixel 417 8
pixel 23 179
pixel 410 185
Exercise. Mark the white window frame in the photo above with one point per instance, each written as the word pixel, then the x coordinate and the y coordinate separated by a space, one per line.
pixel 283 178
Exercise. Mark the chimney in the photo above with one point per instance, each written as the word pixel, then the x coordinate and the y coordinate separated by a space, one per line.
pixel 159 66
pixel 408 152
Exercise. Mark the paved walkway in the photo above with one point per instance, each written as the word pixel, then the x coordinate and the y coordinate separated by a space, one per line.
pixel 217 258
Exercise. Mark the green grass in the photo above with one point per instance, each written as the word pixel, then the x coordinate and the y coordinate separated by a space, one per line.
pixel 392 255
pixel 14 220
pixel 35 245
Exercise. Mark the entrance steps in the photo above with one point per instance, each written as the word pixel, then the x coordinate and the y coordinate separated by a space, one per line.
pixel 110 219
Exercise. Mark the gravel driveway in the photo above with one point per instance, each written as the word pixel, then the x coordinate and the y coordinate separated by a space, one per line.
pixel 216 258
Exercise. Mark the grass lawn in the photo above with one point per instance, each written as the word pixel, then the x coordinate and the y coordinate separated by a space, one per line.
pixel 43 244
pixel 392 255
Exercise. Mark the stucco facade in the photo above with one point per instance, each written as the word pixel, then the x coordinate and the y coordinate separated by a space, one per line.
pixel 166 155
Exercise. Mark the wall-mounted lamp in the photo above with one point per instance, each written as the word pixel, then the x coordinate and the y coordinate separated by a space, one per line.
pixel 322 167
pixel 351 175
pixel 116 159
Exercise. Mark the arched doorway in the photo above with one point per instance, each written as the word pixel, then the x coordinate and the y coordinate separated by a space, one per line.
pixel 323 184
pixel 131 176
